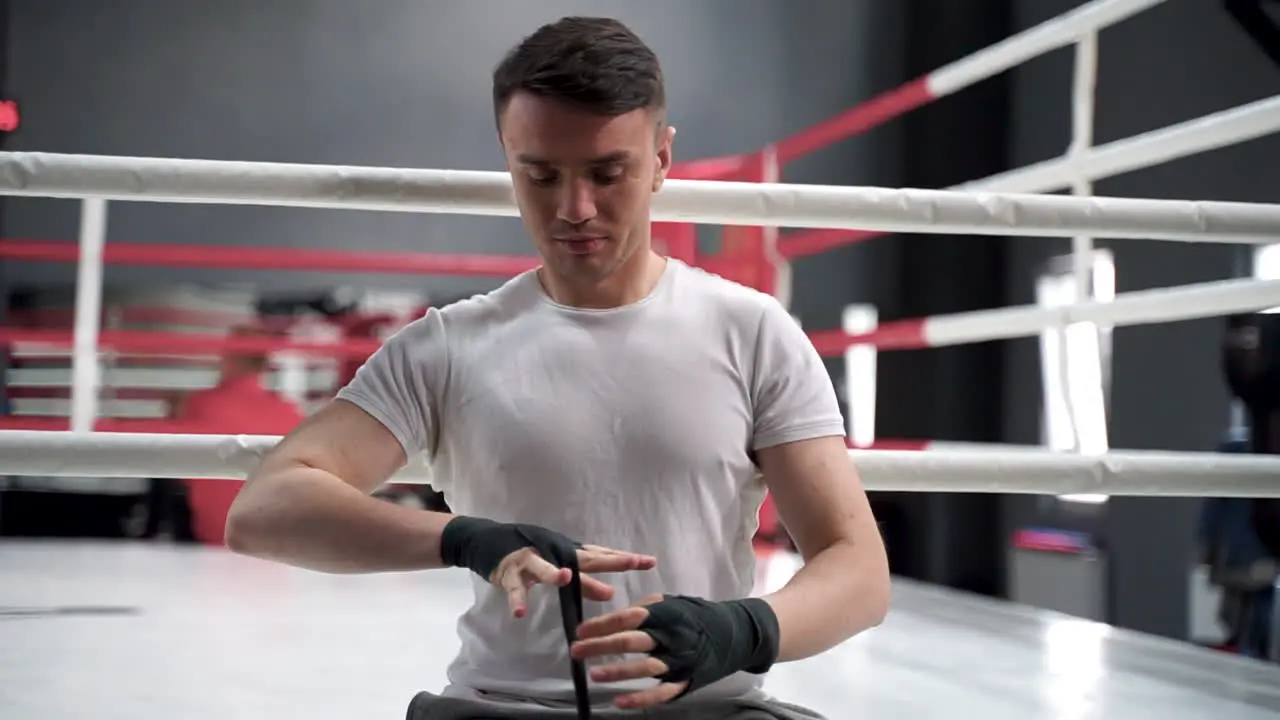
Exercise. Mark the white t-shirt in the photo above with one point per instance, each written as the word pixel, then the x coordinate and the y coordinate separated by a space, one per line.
pixel 631 428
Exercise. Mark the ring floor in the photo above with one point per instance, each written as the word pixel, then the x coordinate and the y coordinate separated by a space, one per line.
pixel 151 632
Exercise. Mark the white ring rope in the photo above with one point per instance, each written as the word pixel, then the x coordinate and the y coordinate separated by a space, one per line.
pixel 1049 35
pixel 131 455
pixel 1140 307
pixel 1155 147
pixel 477 192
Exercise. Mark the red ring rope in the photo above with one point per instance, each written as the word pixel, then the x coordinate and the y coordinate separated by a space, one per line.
pixel 897 335
pixel 142 342
pixel 743 259
pixel 259 258
pixel 738 261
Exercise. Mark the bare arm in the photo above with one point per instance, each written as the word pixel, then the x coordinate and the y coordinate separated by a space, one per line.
pixel 309 503
pixel 844 586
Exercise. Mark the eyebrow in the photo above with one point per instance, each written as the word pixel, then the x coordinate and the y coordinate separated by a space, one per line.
pixel 606 159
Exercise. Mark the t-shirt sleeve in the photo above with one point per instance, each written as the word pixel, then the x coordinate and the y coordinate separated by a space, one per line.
pixel 399 384
pixel 792 393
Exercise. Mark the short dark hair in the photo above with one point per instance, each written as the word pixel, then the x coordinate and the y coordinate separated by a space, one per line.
pixel 595 64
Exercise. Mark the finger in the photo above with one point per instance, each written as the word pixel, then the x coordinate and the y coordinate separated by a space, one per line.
pixel 598 562
pixel 629 641
pixel 529 564
pixel 657 695
pixel 593 589
pixel 517 594
pixel 532 565
pixel 650 599
pixel 602 550
pixel 613 562
pixel 614 622
pixel 630 670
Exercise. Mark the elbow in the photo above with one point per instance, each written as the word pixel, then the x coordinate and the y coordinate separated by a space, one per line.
pixel 884 587
pixel 248 522
pixel 872 607
pixel 238 532
pixel 877 593
pixel 867 592
pixel 881 598
pixel 264 514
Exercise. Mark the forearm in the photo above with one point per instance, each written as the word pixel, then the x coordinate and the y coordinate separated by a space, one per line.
pixel 839 592
pixel 308 518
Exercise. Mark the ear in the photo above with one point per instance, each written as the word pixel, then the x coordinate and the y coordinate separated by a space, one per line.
pixel 666 139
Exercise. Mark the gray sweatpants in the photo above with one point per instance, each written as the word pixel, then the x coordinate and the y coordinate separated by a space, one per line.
pixel 426 706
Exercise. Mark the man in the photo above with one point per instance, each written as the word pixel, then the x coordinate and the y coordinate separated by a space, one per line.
pixel 612 396
pixel 239 403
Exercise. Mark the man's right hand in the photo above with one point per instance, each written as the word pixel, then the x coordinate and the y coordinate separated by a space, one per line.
pixel 525 568
pixel 507 555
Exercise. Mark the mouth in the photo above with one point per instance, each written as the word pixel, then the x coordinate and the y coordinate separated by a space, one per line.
pixel 581 245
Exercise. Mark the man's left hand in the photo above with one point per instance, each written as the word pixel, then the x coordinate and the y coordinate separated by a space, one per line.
pixel 619 633
pixel 690 643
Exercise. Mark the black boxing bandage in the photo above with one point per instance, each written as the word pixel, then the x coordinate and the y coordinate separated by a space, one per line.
pixel 480 546
pixel 702 642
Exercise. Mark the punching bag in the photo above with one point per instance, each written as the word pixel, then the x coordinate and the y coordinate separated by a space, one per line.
pixel 1251 363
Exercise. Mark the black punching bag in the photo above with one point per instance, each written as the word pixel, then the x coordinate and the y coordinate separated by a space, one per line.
pixel 1251 362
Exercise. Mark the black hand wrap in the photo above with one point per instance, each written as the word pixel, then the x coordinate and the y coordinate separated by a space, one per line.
pixel 480 545
pixel 702 641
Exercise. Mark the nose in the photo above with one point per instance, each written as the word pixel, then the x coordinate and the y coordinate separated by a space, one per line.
pixel 577 202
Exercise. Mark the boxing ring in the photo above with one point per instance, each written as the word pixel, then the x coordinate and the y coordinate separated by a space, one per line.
pixel 153 631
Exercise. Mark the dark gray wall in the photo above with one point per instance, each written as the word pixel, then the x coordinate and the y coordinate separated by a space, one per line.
pixel 1173 63
pixel 405 83
pixel 948 538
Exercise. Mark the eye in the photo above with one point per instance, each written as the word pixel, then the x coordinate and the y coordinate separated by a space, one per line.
pixel 608 175
pixel 543 178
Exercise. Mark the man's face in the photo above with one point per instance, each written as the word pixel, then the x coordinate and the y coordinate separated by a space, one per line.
pixel 584 183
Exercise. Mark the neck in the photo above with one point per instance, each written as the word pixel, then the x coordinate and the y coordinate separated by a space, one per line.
pixel 234 374
pixel 629 284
